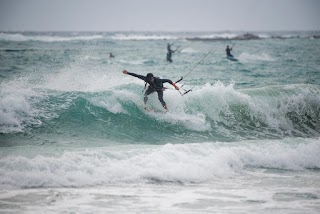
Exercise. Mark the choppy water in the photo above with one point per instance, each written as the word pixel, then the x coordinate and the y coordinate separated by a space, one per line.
pixel 74 136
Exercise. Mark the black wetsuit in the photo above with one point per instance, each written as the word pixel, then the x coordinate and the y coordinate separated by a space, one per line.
pixel 156 85
pixel 169 53
pixel 228 52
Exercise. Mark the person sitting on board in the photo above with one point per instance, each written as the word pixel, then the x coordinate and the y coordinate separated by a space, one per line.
pixel 155 84
pixel 228 51
pixel 111 55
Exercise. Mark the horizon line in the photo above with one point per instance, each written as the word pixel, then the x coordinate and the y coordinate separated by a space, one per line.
pixel 162 31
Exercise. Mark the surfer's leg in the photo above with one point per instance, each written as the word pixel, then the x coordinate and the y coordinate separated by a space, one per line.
pixel 148 91
pixel 160 97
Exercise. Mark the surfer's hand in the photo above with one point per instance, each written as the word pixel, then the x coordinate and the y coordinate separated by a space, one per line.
pixel 125 71
pixel 175 86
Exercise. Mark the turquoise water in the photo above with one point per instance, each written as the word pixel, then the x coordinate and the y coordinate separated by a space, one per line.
pixel 75 138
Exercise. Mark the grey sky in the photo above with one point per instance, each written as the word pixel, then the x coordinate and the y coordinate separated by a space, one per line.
pixel 159 15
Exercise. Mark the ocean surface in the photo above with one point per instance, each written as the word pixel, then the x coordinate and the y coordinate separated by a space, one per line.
pixel 74 137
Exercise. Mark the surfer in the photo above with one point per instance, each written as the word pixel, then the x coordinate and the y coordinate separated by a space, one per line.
pixel 170 52
pixel 155 85
pixel 111 55
pixel 228 51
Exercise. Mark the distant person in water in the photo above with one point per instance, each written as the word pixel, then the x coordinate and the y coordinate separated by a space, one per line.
pixel 155 85
pixel 170 52
pixel 111 55
pixel 169 46
pixel 228 51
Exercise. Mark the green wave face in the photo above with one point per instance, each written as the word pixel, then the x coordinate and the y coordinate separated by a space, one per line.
pixel 209 113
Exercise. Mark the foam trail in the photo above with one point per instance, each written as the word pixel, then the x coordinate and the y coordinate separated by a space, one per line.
pixel 246 57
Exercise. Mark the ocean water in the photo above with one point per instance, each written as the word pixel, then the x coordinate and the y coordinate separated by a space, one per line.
pixel 74 137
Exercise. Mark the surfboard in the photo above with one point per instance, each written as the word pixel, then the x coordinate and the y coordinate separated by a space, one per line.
pixel 232 58
pixel 154 110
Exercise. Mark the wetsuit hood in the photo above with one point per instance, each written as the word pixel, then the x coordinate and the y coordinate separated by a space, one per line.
pixel 149 75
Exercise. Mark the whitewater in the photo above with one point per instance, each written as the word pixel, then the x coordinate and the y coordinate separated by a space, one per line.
pixel 74 137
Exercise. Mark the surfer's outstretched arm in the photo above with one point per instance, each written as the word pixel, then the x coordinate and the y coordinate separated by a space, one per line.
pixel 171 82
pixel 135 75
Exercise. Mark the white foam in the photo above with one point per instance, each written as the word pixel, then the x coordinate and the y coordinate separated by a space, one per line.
pixel 256 57
pixel 189 50
pixel 223 103
pixel 132 62
pixel 16 108
pixel 199 162
pixel 178 112
pixel 45 38
pixel 219 36
pixel 111 104
pixel 131 36
pixel 203 98
pixel 76 77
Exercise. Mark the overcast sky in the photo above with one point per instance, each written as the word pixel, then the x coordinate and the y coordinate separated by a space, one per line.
pixel 159 15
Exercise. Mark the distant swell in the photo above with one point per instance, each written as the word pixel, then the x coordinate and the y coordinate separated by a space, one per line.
pixel 246 36
pixel 45 37
pixel 142 36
